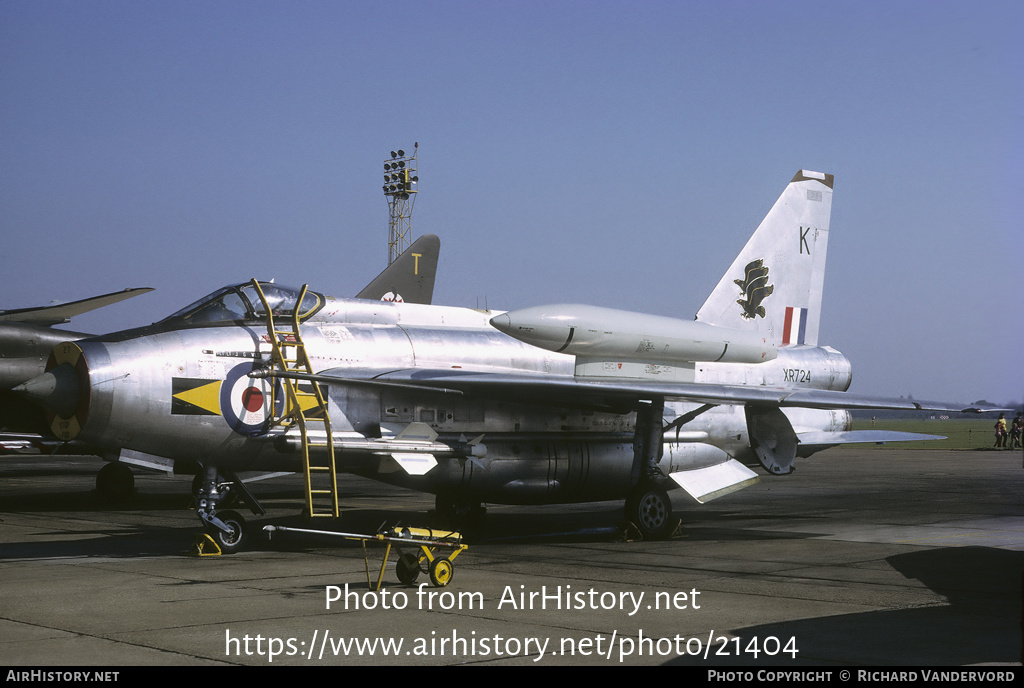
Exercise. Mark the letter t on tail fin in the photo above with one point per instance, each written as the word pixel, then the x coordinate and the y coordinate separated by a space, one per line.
pixel 775 284
pixel 411 277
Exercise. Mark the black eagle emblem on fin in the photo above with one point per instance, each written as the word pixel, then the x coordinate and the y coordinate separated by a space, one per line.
pixel 755 288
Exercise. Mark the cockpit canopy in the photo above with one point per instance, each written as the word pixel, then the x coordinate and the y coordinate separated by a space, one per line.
pixel 241 302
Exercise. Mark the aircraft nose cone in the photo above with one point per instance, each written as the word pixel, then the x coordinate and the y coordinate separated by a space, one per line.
pixel 55 390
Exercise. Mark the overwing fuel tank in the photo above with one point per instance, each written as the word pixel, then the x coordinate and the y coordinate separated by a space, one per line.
pixel 594 332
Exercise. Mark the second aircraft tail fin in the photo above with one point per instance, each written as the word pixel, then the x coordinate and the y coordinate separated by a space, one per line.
pixel 775 284
pixel 410 278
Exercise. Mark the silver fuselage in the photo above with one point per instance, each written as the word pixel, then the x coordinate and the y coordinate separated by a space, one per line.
pixel 178 394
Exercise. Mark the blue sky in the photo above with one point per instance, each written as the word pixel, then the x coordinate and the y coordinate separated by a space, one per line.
pixel 613 153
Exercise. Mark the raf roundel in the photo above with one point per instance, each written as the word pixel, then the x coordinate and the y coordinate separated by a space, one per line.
pixel 245 402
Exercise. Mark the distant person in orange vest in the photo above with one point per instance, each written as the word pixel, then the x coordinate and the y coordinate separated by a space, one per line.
pixel 1001 430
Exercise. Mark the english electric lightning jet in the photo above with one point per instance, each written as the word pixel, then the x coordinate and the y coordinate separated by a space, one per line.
pixel 554 404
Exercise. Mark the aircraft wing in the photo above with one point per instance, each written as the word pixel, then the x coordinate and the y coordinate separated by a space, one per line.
pixel 63 312
pixel 616 394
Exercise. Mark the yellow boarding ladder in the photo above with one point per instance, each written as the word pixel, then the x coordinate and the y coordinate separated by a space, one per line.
pixel 305 408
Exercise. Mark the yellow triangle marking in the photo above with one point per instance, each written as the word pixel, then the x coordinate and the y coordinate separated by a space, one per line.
pixel 206 397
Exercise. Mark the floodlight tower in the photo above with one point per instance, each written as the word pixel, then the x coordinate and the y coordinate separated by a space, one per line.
pixel 400 186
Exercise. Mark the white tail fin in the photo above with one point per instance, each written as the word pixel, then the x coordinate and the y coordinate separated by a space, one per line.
pixel 774 286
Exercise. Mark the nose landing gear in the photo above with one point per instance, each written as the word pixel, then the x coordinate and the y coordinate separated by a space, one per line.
pixel 225 529
pixel 231 539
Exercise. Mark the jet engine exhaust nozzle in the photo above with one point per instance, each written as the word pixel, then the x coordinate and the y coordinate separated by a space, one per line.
pixel 63 390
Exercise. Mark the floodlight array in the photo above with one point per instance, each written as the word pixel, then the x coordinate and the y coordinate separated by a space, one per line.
pixel 400 177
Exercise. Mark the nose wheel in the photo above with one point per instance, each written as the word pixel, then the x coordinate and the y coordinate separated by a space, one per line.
pixel 232 539
pixel 224 527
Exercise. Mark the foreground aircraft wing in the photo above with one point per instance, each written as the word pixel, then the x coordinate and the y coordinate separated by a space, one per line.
pixel 618 394
pixel 410 278
pixel 614 394
pixel 63 312
pixel 703 484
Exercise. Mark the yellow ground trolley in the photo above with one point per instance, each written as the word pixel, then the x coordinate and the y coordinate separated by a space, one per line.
pixel 426 543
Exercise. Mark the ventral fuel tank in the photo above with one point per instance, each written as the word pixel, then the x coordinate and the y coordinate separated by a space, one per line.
pixel 605 333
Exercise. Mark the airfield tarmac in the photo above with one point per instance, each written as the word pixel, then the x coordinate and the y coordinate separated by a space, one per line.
pixel 898 557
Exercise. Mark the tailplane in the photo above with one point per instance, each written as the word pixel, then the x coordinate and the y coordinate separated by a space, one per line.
pixel 775 284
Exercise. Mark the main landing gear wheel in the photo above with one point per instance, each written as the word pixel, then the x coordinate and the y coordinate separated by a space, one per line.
pixel 407 568
pixel 441 572
pixel 229 542
pixel 650 510
pixel 115 483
